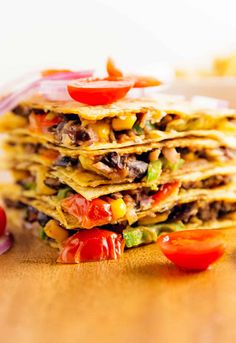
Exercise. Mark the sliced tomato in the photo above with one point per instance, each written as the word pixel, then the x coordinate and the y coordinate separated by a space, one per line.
pixel 92 245
pixel 3 221
pixel 165 191
pixel 112 70
pixel 42 122
pixel 193 249
pixel 92 213
pixel 99 91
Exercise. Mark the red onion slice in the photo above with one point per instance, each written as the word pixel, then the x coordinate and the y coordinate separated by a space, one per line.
pixel 69 75
pixel 6 242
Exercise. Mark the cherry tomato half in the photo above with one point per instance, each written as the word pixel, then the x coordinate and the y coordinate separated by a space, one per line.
pixel 165 191
pixel 91 213
pixel 41 122
pixel 193 249
pixel 3 221
pixel 99 91
pixel 92 245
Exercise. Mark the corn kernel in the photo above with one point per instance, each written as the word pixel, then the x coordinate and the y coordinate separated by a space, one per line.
pixel 124 122
pixel 118 208
pixel 102 130
pixel 55 231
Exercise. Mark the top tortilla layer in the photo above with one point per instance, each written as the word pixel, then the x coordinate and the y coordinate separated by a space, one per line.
pixel 125 106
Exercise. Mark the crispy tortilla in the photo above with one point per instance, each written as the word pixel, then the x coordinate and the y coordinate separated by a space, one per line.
pixel 79 180
pixel 206 123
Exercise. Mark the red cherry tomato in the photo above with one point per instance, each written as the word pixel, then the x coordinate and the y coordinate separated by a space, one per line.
pixel 92 213
pixel 165 191
pixel 41 122
pixel 3 221
pixel 193 249
pixel 99 91
pixel 92 245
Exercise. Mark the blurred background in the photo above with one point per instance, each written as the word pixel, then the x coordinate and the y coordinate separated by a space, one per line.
pixel 81 34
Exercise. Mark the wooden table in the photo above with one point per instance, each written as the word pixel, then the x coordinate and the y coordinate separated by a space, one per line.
pixel 141 298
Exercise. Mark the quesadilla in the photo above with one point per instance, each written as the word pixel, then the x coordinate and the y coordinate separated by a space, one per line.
pixel 127 122
pixel 136 168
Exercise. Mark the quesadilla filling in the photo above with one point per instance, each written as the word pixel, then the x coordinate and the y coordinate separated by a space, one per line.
pixel 73 131
pixel 125 206
pixel 120 166
pixel 178 217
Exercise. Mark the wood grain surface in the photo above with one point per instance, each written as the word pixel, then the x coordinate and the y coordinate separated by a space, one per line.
pixel 141 298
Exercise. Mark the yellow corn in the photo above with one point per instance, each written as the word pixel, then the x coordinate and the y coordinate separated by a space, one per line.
pixel 102 130
pixel 118 208
pixel 55 231
pixel 124 122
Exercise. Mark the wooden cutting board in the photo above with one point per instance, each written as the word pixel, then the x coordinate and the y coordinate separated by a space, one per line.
pixel 141 298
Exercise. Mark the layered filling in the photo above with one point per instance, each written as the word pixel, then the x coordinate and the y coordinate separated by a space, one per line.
pixel 179 217
pixel 117 166
pixel 126 206
pixel 73 131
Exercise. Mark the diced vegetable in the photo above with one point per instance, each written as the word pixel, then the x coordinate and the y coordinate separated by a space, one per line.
pixel 137 129
pixel 92 213
pixel 55 231
pixel 149 126
pixel 42 234
pixel 148 234
pixel 154 171
pixel 41 122
pixel 172 166
pixel 165 191
pixel 118 208
pixel 124 122
pixel 102 130
pixel 91 245
pixel 29 185
pixel 62 193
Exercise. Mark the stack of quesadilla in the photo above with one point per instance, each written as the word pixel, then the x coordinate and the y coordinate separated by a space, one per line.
pixel 136 168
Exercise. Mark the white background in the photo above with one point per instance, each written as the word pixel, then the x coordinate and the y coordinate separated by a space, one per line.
pixel 81 34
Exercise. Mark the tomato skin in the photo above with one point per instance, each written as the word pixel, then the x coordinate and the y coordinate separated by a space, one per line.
pixel 3 221
pixel 40 123
pixel 193 250
pixel 165 191
pixel 99 91
pixel 92 245
pixel 92 213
